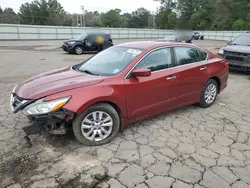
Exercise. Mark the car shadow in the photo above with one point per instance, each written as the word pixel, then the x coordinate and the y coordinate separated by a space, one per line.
pixel 84 53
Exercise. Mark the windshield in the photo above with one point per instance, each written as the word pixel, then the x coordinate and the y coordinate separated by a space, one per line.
pixel 242 40
pixel 81 37
pixel 110 62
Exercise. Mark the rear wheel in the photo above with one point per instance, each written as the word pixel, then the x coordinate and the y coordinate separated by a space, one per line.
pixel 97 125
pixel 78 50
pixel 209 93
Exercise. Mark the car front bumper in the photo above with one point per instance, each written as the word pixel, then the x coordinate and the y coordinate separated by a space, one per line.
pixel 53 122
pixel 67 48
pixel 237 65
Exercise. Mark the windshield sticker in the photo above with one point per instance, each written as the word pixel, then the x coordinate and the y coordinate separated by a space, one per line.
pixel 116 71
pixel 134 51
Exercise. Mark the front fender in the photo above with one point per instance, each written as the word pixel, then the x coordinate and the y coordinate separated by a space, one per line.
pixel 77 44
pixel 82 98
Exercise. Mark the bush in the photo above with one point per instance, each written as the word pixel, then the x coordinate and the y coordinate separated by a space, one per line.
pixel 239 25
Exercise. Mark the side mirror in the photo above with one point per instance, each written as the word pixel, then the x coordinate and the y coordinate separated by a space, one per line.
pixel 141 72
pixel 229 42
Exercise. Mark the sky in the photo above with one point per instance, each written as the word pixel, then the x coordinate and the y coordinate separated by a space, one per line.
pixel 73 6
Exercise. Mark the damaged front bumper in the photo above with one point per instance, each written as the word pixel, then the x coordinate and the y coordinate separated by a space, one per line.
pixel 56 123
pixel 53 122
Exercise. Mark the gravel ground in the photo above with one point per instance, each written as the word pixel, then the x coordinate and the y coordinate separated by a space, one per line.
pixel 186 148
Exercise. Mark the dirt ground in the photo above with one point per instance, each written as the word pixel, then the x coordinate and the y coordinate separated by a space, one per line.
pixel 186 148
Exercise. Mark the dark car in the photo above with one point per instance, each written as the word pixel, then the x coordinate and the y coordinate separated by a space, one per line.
pixel 237 53
pixel 88 42
pixel 121 85
pixel 197 35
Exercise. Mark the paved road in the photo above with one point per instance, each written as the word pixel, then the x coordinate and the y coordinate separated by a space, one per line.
pixel 186 148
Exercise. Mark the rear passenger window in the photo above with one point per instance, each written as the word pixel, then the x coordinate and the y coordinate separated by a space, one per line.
pixel 185 55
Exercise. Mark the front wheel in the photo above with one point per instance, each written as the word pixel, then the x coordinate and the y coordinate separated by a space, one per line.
pixel 78 50
pixel 209 93
pixel 97 125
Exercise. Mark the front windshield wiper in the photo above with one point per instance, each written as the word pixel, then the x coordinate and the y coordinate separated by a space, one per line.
pixel 89 72
pixel 241 44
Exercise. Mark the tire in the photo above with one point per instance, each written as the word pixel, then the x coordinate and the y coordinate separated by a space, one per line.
pixel 210 85
pixel 79 121
pixel 78 50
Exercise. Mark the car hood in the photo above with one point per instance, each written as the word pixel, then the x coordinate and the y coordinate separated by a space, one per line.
pixel 71 40
pixel 237 48
pixel 55 81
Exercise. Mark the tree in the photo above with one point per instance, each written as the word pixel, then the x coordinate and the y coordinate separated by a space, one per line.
pixel 112 19
pixel 8 16
pixel 127 17
pixel 239 25
pixel 44 12
pixel 93 19
pixel 139 18
pixel 165 18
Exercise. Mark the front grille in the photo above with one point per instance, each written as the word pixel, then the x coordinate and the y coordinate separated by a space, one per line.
pixel 236 56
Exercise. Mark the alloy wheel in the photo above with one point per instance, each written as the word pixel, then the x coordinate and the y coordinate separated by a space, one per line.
pixel 78 50
pixel 97 126
pixel 210 93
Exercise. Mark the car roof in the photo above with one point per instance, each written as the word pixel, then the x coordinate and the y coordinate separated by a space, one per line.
pixel 152 44
pixel 97 33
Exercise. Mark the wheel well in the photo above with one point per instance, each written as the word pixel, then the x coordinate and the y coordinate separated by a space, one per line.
pixel 113 105
pixel 218 81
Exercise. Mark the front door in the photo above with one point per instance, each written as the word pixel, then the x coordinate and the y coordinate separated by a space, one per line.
pixel 150 95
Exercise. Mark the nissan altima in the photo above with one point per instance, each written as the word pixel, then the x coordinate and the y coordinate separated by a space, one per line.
pixel 118 86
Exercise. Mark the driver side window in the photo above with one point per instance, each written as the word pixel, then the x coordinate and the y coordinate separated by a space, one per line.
pixel 157 60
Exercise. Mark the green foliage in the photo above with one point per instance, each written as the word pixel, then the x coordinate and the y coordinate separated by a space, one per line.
pixel 165 19
pixel 239 25
pixel 44 12
pixel 172 14
pixel 93 19
pixel 112 19
pixel 208 14
pixel 8 16
pixel 140 18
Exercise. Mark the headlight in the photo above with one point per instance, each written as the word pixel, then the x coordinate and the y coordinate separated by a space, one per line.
pixel 221 51
pixel 44 107
pixel 70 43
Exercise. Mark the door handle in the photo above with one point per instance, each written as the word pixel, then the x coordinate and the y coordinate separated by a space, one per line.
pixel 171 78
pixel 203 68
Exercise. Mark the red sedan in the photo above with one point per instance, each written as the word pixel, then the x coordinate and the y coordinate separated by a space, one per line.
pixel 118 86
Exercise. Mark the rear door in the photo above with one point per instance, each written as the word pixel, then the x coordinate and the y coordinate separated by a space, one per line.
pixel 193 73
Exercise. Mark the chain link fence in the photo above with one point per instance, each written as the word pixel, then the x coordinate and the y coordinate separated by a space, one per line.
pixel 37 32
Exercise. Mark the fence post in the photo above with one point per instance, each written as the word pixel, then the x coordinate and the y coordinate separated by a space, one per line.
pixel 18 34
pixel 72 32
pixel 56 33
pixel 38 31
